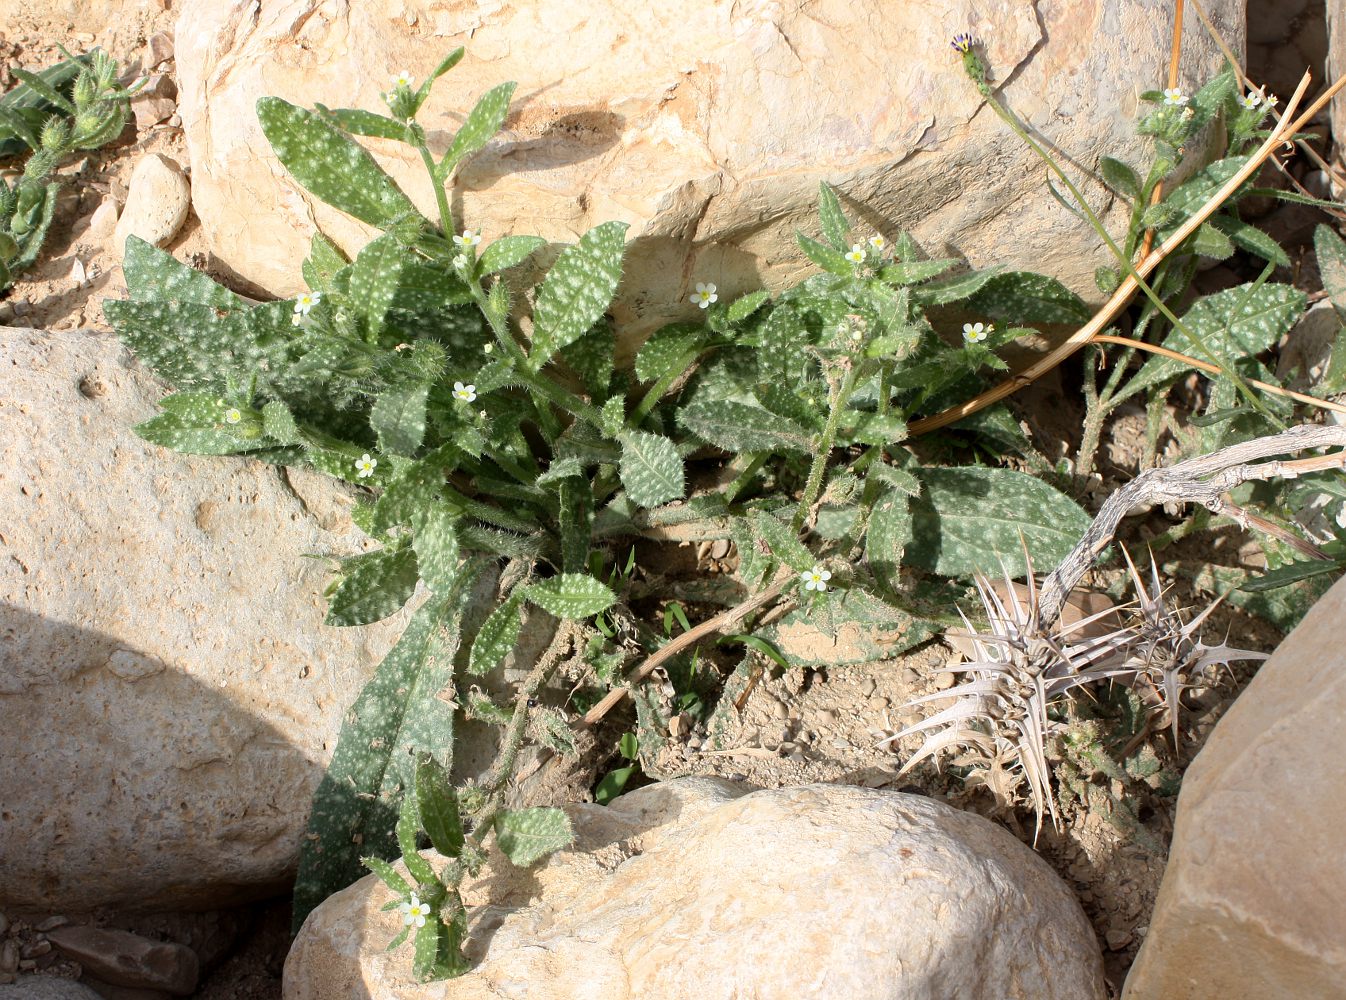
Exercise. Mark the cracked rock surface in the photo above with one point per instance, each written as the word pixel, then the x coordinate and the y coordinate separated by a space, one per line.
pixel 705 125
pixel 702 887
pixel 168 691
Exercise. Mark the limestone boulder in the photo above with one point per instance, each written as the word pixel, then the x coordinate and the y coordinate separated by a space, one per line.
pixel 707 126
pixel 1251 905
pixel 169 695
pixel 704 888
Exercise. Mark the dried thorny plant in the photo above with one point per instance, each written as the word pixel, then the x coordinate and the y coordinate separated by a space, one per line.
pixel 1013 712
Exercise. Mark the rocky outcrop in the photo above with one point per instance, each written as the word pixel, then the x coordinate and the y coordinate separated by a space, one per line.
pixel 1251 905
pixel 705 125
pixel 703 888
pixel 169 695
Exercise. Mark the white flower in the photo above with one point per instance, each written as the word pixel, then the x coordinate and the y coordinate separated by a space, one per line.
pixel 232 415
pixel 364 467
pixel 404 79
pixel 857 254
pixel 1250 102
pixel 1174 98
pixel 975 333
pixel 705 295
pixel 815 579
pixel 467 393
pixel 1271 101
pixel 305 301
pixel 487 348
pixel 414 911
pixel 468 239
pixel 878 243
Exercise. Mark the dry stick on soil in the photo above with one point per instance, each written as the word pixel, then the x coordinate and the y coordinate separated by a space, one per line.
pixel 1130 285
pixel 1175 55
pixel 1309 151
pixel 1206 366
pixel 1246 519
pixel 1202 480
pixel 720 623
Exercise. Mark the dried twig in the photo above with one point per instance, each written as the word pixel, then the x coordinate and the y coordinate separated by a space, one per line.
pixel 1206 366
pixel 1174 58
pixel 1122 296
pixel 720 623
pixel 1202 480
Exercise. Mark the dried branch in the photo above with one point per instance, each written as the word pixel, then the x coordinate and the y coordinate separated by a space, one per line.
pixel 1202 480
pixel 720 623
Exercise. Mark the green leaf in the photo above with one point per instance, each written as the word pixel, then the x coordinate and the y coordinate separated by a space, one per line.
pixel 577 290
pixel 1236 323
pixel 323 263
pixel 592 357
pixel 278 423
pixel 497 636
pixel 575 502
pixel 153 275
pixel 651 469
pixel 373 586
pixel 559 469
pixel 481 125
pixel 437 803
pixel 825 257
pixel 913 272
pixel 746 305
pixel 397 714
pixel 525 836
pixel 408 823
pixel 571 595
pixel 1331 250
pixel 331 165
pixel 507 252
pixel 781 540
pixel 1292 573
pixel 413 489
pixel 388 874
pixel 1025 297
pixel 888 535
pixel 1252 239
pixel 953 289
pixel 398 418
pixel 740 427
pixel 44 89
pixel 448 62
pixel 1120 177
pixel 194 424
pixel 659 356
pixel 368 123
pixel 873 428
pixel 847 626
pixel 436 546
pixel 969 519
pixel 613 783
pixel 836 227
pixel 374 280
pixel 1208 241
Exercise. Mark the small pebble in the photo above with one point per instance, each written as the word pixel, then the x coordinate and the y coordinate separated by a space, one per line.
pixel 793 715
pixel 910 676
pixel 27 964
pixel 877 704
pixel 779 711
pixel 910 719
pixel 1117 939
pixel 9 956
pixel 4 923
pixel 798 757
pixel 786 748
pixel 841 744
pixel 868 687
pixel 37 949
pixel 943 680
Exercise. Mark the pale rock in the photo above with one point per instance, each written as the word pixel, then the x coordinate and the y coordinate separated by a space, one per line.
pixel 170 692
pixel 157 202
pixel 1307 349
pixel 158 49
pixel 702 888
pixel 1251 905
pixel 155 102
pixel 121 958
pixel 707 126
